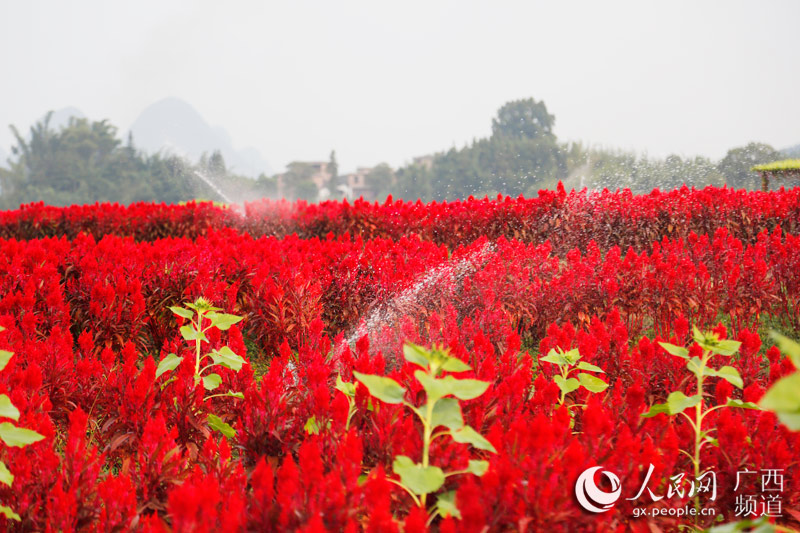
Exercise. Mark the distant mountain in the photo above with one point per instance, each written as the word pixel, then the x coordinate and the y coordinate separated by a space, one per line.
pixel 174 126
pixel 792 151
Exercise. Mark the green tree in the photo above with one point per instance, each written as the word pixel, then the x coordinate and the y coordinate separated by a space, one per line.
pixel 266 186
pixel 85 162
pixel 414 182
pixel 298 181
pixel 736 164
pixel 382 180
pixel 333 167
pixel 523 118
pixel 216 164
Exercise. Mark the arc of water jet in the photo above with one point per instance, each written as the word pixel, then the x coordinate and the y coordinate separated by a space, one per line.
pixel 392 309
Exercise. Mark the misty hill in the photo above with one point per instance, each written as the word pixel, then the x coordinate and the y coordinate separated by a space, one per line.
pixel 173 126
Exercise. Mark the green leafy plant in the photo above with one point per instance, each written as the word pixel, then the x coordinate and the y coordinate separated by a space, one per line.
pixel 202 316
pixel 440 415
pixel 349 391
pixel 783 398
pixel 11 435
pixel 677 402
pixel 569 362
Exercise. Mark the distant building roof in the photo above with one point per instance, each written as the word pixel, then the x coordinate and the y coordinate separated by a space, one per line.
pixel 786 168
pixel 778 166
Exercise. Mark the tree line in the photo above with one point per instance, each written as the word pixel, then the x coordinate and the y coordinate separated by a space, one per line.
pixel 523 155
pixel 85 162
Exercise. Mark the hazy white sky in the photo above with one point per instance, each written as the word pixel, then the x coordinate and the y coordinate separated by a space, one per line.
pixel 381 81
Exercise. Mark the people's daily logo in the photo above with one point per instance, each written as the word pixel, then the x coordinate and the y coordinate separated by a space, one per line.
pixel 593 498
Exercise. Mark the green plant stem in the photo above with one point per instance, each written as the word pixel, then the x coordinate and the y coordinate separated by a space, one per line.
pixel 426 443
pixel 197 348
pixel 217 396
pixel 433 515
pixel 698 430
pixel 438 434
pixel 350 413
pixel 413 496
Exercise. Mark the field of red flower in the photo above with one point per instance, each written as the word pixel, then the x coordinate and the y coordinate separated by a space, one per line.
pixel 331 289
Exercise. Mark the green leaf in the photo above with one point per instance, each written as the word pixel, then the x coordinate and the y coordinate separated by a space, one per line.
pixel 385 389
pixel 592 383
pixel 170 362
pixel 416 354
pixel 5 357
pixel 784 396
pixel 572 356
pixel 467 435
pixel 8 513
pixel 311 427
pixel 232 394
pixel 201 304
pixel 223 321
pixel 478 468
pixel 216 423
pixel 656 409
pixel 742 405
pixel 726 347
pixel 583 365
pixel 227 358
pixel 447 413
pixel 566 385
pixel 463 389
pixel 785 345
pixel 417 478
pixel 349 389
pixel 191 334
pixel 790 420
pixel 466 389
pixel 676 403
pixel 694 365
pixel 6 477
pixel 554 357
pixel 677 351
pixel 180 311
pixel 434 388
pixel 446 504
pixel 453 364
pixel 731 375
pixel 19 437
pixel 7 408
pixel 212 381
pixel 698 335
